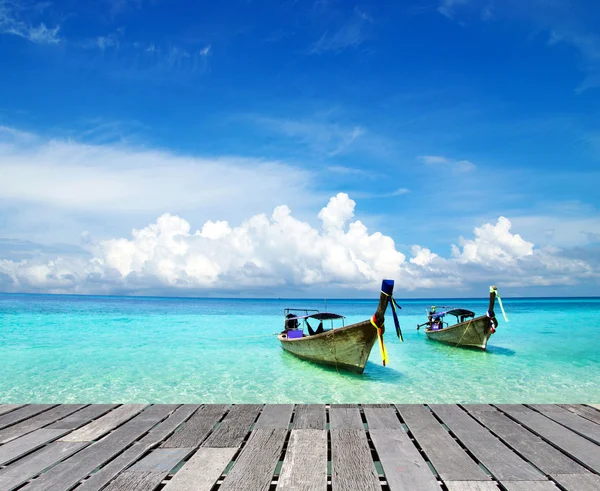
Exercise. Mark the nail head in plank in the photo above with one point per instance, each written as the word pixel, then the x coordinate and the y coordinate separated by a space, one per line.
pixel 305 465
pixel 578 482
pixel 99 479
pixel 22 414
pixel 197 428
pixel 38 421
pixel 68 473
pixel 450 461
pixel 275 416
pixel 403 465
pixel 352 466
pixel 27 443
pixel 500 460
pixel 234 428
pixel 345 417
pixel 202 471
pixel 19 472
pixel 105 424
pixel 310 417
pixel 574 445
pixel 540 453
pixel 253 469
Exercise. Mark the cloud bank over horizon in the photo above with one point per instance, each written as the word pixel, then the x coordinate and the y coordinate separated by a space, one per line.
pixel 280 251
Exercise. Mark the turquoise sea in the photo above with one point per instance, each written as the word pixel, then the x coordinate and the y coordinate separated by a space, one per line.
pixel 74 349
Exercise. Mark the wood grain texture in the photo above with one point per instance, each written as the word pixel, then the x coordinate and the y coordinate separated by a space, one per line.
pixel 19 472
pixel 500 460
pixel 579 482
pixel 403 465
pixel 540 453
pixel 352 467
pixel 7 408
pixel 574 422
pixel 574 445
pixel 470 486
pixel 82 417
pixel 66 474
pixel 345 418
pixel 451 462
pixel 234 428
pixel 38 421
pixel 25 444
pixel 105 424
pixel 22 414
pixel 305 464
pixel 202 471
pixel 253 469
pixel 275 416
pixel 529 486
pixel 197 428
pixel 583 411
pixel 310 417
pixel 382 418
pixel 99 479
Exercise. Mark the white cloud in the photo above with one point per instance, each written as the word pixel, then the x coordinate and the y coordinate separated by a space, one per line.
pixel 349 35
pixel 458 166
pixel 11 22
pixel 283 252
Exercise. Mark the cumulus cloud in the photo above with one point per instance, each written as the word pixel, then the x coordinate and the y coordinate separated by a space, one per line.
pixel 282 251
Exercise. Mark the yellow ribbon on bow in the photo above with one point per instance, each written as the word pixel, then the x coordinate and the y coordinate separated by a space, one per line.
pixel 384 356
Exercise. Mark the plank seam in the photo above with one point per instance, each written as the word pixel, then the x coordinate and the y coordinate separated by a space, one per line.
pixel 564 425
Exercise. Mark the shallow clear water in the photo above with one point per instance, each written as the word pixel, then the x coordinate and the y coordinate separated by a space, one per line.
pixel 68 349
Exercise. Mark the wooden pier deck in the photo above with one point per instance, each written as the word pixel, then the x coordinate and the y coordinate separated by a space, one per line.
pixel 281 447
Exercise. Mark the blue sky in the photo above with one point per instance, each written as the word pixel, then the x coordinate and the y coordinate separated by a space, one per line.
pixel 434 117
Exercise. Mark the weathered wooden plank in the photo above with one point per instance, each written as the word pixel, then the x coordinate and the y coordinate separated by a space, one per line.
pixel 449 460
pixel 25 444
pixel 253 469
pixel 573 444
pixel 7 408
pixel 352 467
pixel 99 479
pixel 106 423
pixel 529 486
pixel 196 429
pixel 38 421
pixel 576 423
pixel 310 417
pixel 202 471
pixel 19 472
pixel 305 464
pixel 68 473
pixel 403 465
pixel 500 460
pixel 234 428
pixel 345 418
pixel 82 417
pixel 381 419
pixel 579 482
pixel 471 486
pixel 275 416
pixel 583 411
pixel 541 454
pixel 22 414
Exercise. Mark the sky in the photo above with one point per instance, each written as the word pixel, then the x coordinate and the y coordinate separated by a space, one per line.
pixel 300 147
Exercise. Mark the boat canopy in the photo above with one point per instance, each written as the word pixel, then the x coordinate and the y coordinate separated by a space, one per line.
pixel 455 312
pixel 321 316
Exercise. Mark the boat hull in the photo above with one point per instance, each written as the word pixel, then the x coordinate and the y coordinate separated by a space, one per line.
pixel 472 334
pixel 346 348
